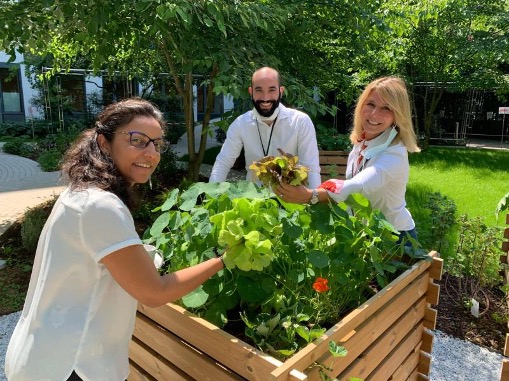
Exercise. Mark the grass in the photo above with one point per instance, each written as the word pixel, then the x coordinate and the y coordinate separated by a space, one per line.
pixel 474 179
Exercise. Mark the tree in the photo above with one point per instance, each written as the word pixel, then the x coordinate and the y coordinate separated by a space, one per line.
pixel 449 45
pixel 213 43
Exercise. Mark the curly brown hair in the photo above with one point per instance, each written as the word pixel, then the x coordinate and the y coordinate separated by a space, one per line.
pixel 84 164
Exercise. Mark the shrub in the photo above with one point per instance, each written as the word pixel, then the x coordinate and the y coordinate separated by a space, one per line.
pixel 33 222
pixel 330 140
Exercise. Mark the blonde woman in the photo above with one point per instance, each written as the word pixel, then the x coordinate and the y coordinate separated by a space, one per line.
pixel 378 167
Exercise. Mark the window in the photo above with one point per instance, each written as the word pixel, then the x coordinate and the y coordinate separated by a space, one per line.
pixel 10 95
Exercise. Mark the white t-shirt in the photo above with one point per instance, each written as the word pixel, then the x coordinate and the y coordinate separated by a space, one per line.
pixel 76 316
pixel 293 132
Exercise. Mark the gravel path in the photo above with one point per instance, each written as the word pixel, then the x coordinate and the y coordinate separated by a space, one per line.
pixel 453 359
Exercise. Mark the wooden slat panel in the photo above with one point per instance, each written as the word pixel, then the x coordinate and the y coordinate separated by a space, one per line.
pixel 242 358
pixel 159 370
pixel 393 360
pixel 182 356
pixel 377 361
pixel 333 164
pixel 506 231
pixel 399 311
pixel 408 367
pixel 420 377
pixel 306 356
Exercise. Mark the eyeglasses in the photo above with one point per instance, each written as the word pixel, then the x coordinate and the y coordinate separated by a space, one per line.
pixel 141 141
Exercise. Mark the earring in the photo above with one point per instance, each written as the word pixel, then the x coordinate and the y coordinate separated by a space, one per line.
pixel 150 182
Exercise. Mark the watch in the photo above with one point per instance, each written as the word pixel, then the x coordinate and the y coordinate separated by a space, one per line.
pixel 314 197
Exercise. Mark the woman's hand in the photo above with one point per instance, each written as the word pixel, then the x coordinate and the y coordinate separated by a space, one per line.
pixel 289 193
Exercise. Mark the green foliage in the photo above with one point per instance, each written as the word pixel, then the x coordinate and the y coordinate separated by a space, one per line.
pixel 33 222
pixel 478 252
pixel 502 205
pixel 276 254
pixel 21 146
pixel 443 217
pixel 330 140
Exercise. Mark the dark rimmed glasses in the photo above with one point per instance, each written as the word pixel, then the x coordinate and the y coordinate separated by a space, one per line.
pixel 141 141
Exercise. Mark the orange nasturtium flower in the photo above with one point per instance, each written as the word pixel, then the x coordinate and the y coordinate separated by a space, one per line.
pixel 320 284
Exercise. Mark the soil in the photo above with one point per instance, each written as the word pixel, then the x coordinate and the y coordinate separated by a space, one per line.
pixel 454 318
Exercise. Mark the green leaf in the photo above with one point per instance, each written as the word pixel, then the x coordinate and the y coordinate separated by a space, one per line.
pixel 318 259
pixel 337 350
pixel 195 298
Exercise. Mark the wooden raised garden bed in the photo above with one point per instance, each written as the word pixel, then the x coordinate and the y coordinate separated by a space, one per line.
pixel 333 164
pixel 504 259
pixel 388 337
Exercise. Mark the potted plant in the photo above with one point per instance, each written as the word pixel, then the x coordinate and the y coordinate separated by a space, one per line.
pixel 293 272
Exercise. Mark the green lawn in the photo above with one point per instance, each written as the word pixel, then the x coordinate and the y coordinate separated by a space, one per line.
pixel 475 179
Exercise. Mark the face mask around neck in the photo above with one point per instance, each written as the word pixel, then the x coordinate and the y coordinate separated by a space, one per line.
pixel 372 152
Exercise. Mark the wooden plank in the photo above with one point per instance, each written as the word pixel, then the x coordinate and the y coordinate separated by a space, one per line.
pixel 420 377
pixel 333 164
pixel 427 340
pixel 226 349
pixel 393 359
pixel 506 231
pixel 506 346
pixel 377 360
pixel 430 318
pixel 504 373
pixel 178 353
pixel 425 363
pixel 505 246
pixel 136 374
pixel 408 366
pixel 399 311
pixel 306 356
pixel 150 363
pixel 436 268
pixel 433 294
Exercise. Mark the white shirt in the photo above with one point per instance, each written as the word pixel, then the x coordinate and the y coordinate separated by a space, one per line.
pixel 382 181
pixel 293 132
pixel 76 316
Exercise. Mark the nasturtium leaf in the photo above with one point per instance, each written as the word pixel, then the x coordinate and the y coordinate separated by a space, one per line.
pixel 318 259
pixel 195 298
pixel 250 290
pixel 170 201
pixel 160 224
pixel 337 350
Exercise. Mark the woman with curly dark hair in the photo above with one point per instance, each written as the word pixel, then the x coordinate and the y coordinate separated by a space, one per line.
pixel 91 268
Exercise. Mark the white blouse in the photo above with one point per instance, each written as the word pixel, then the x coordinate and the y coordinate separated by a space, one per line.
pixel 76 316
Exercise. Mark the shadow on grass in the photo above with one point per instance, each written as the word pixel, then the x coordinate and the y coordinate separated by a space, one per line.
pixel 486 162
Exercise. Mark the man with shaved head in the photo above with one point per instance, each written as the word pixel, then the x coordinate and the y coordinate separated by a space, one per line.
pixel 268 126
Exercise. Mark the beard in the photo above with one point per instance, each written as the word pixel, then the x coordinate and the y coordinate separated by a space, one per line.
pixel 270 111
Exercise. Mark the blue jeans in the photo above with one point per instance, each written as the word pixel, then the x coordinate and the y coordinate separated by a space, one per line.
pixel 402 233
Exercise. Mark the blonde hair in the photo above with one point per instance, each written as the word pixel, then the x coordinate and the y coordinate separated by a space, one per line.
pixel 393 91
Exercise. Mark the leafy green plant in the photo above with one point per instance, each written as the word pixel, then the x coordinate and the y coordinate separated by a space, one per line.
pixel 292 270
pixel 32 224
pixel 443 217
pixel 329 139
pixel 502 205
